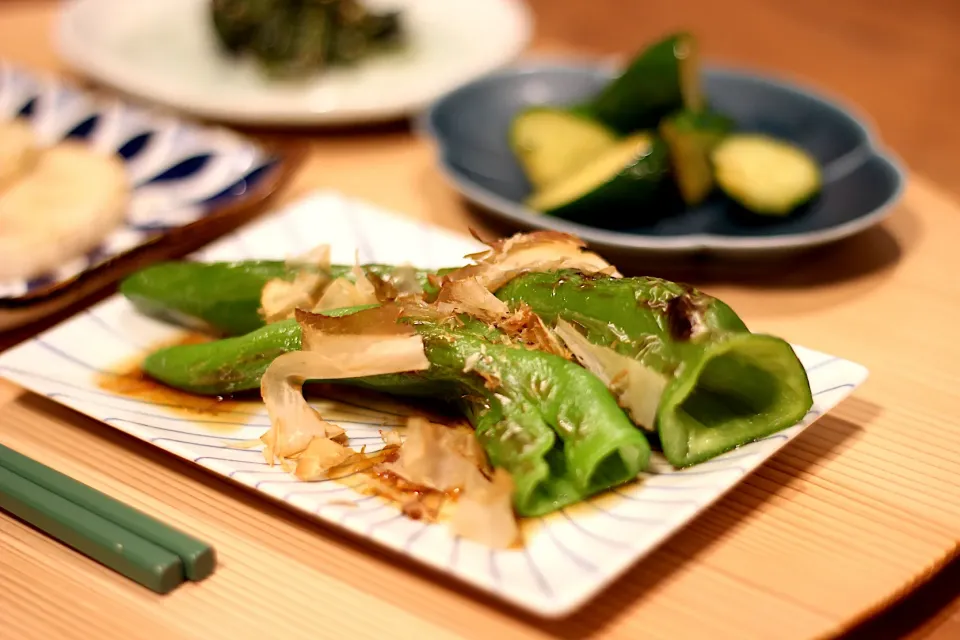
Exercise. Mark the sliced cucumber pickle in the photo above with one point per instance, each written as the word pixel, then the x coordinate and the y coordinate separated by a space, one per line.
pixel 691 137
pixel 661 79
pixel 616 182
pixel 765 175
pixel 553 142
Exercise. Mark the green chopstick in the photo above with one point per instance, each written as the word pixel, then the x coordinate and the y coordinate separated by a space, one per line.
pixel 111 545
pixel 198 559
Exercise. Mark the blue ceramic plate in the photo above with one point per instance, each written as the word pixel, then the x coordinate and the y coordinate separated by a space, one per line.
pixel 190 182
pixel 861 181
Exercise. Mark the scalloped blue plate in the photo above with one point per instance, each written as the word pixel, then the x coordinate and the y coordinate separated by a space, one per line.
pixel 861 181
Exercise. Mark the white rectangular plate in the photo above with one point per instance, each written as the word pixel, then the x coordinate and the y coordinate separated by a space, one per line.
pixel 566 557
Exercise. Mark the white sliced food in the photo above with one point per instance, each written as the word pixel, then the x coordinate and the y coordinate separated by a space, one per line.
pixel 63 207
pixel 18 150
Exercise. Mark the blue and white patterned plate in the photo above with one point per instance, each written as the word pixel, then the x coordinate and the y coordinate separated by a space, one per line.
pixel 181 172
pixel 566 558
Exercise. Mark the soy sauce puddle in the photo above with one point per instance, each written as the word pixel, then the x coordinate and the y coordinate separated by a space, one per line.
pixel 228 413
pixel 219 413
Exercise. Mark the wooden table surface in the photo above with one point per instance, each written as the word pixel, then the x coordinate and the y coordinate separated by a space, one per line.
pixel 859 510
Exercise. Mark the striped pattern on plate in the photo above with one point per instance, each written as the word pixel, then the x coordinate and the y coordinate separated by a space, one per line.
pixel 566 557
pixel 180 171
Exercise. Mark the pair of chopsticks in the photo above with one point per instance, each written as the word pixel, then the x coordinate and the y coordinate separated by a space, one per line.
pixel 132 543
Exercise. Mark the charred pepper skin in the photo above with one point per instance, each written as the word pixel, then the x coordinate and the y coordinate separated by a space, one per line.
pixel 725 385
pixel 223 367
pixel 552 424
pixel 218 297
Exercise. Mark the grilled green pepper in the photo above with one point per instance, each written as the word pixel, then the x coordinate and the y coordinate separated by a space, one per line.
pixel 221 297
pixel 724 385
pixel 223 367
pixel 553 425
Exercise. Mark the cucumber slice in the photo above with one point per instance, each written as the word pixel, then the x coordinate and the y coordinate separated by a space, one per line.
pixel 663 78
pixel 765 175
pixel 614 184
pixel 691 137
pixel 552 142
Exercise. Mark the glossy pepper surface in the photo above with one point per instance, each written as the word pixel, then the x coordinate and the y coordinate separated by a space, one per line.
pixel 552 424
pixel 221 297
pixel 725 386
pixel 722 385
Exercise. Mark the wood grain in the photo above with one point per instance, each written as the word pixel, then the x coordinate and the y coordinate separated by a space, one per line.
pixel 858 510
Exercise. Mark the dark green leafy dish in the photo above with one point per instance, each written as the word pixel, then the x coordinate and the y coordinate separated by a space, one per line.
pixel 295 38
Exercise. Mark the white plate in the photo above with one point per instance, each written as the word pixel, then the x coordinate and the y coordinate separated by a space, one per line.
pixel 566 557
pixel 165 51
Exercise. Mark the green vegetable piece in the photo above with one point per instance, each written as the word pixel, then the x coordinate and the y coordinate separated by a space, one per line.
pixel 552 424
pixel 726 386
pixel 222 297
pixel 385 27
pixel 766 176
pixel 235 21
pixel 691 138
pixel 291 38
pixel 552 143
pixel 662 79
pixel 312 37
pixel 616 187
pixel 223 367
